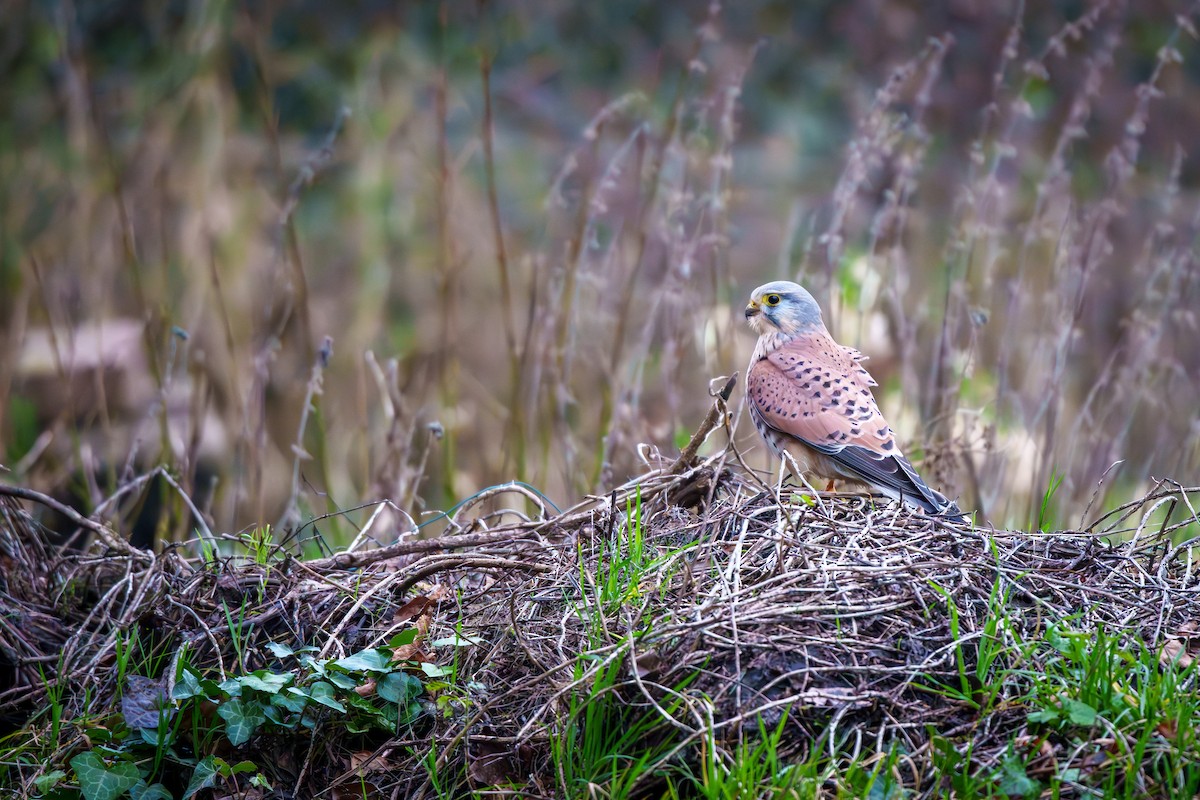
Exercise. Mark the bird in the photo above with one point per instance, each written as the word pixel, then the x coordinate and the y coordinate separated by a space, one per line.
pixel 811 401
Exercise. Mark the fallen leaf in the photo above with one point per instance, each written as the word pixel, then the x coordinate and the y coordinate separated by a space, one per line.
pixel 1175 653
pixel 367 762
pixel 144 700
pixel 411 609
pixel 410 652
pixel 359 790
pixel 490 765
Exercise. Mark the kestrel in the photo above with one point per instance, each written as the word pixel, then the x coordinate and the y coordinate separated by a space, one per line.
pixel 810 397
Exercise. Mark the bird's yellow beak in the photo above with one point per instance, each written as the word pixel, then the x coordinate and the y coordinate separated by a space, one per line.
pixel 752 309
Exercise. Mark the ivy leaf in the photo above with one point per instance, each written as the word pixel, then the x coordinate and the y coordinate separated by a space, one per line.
pixel 436 670
pixel 1045 715
pixel 371 660
pixel 312 664
pixel 154 738
pixel 342 680
pixel 203 777
pixel 262 681
pixel 289 702
pixel 885 787
pixel 242 718
pixel 283 650
pixel 1079 713
pixel 155 791
pixel 1013 780
pixel 44 783
pixel 187 685
pixel 280 650
pixel 402 638
pixel 411 713
pixel 320 692
pixel 398 687
pixel 99 781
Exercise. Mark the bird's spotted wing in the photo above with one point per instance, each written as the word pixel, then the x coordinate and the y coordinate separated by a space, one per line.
pixel 816 391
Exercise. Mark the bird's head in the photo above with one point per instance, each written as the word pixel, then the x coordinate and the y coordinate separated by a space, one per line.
pixel 782 307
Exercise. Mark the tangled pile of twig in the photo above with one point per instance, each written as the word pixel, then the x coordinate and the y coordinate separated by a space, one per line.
pixel 694 604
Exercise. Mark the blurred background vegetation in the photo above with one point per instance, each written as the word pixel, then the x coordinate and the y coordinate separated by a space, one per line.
pixel 529 227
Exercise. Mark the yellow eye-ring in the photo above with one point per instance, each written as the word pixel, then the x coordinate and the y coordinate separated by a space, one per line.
pixel 771 300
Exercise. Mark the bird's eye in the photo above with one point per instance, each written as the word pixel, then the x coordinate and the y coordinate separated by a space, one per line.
pixel 771 299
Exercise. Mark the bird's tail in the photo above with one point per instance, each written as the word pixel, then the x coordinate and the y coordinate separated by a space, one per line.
pixel 952 513
pixel 930 500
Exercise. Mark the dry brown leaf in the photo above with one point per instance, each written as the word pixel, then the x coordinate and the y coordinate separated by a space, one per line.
pixel 356 790
pixel 411 609
pixel 491 765
pixel 411 652
pixel 1175 652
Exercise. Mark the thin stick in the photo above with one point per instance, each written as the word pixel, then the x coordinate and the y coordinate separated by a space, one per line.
pixel 715 414
pixel 106 534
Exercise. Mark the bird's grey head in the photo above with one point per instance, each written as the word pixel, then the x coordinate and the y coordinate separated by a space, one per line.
pixel 782 307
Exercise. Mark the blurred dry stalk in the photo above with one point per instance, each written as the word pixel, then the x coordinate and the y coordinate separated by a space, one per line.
pixel 1017 254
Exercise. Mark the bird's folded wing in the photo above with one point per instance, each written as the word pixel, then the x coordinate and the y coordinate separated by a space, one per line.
pixel 813 389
